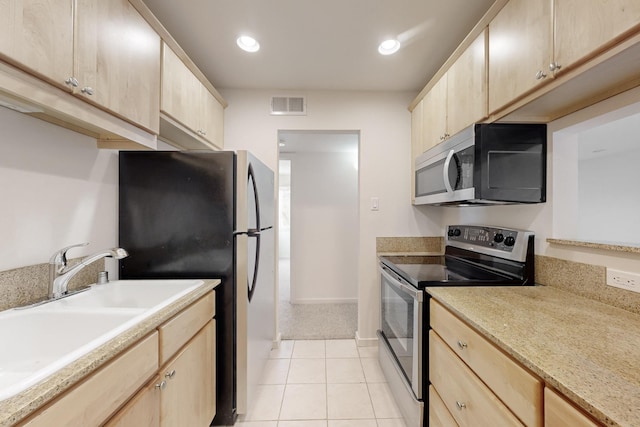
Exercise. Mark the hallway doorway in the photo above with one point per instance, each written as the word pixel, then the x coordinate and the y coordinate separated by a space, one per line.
pixel 318 234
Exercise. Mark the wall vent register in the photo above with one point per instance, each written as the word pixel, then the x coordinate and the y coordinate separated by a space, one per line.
pixel 288 105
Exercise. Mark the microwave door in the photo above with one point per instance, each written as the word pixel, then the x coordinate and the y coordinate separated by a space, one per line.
pixel 439 180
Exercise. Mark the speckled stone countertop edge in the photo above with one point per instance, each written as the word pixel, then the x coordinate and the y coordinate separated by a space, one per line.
pixel 595 409
pixel 19 407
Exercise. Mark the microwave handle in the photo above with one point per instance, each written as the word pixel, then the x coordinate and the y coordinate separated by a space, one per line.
pixel 445 171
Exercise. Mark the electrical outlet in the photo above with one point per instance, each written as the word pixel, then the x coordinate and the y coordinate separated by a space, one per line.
pixel 623 280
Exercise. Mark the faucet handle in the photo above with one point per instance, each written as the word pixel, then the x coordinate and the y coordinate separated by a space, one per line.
pixel 59 258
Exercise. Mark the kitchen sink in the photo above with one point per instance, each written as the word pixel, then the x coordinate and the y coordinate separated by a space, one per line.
pixel 40 340
pixel 131 294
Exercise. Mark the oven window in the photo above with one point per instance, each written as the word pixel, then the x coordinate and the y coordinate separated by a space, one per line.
pixel 397 324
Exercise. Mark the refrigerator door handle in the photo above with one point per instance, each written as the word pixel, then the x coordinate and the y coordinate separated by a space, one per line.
pixel 251 287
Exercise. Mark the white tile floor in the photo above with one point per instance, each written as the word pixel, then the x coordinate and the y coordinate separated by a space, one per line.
pixel 323 383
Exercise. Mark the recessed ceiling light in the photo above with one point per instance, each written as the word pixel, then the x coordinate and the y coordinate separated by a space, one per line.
pixel 248 44
pixel 389 47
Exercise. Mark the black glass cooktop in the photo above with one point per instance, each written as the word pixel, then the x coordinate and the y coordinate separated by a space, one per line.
pixel 423 272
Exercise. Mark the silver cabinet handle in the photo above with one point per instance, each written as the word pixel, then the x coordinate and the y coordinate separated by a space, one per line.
pixel 462 345
pixel 87 90
pixel 460 405
pixel 71 81
pixel 162 385
pixel 554 66
pixel 171 374
pixel 540 75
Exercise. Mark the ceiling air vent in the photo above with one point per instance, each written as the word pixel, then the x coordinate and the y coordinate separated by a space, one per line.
pixel 288 106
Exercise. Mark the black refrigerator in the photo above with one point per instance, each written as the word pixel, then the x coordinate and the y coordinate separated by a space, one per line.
pixel 197 214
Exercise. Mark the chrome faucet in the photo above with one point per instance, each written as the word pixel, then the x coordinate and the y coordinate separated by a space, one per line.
pixel 60 274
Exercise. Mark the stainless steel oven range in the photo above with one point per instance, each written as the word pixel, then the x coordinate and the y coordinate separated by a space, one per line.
pixel 474 256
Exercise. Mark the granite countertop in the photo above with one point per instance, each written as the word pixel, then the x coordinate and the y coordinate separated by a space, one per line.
pixel 20 406
pixel 587 350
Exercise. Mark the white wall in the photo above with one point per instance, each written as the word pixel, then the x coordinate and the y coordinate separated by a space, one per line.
pixel 324 227
pixel 56 189
pixel 385 163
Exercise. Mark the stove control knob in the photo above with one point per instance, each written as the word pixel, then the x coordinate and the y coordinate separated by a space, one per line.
pixel 457 232
pixel 510 241
pixel 499 237
pixel 450 232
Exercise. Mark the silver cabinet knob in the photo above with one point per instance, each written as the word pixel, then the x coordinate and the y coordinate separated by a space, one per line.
pixel 162 385
pixel 460 405
pixel 462 345
pixel 554 66
pixel 170 374
pixel 540 75
pixel 71 81
pixel 87 90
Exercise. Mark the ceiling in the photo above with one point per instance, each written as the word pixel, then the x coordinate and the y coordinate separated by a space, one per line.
pixel 321 44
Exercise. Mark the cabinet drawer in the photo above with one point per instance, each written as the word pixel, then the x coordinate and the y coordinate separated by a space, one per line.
pixel 518 389
pixel 176 332
pixel 95 399
pixel 560 413
pixel 439 415
pixel 470 402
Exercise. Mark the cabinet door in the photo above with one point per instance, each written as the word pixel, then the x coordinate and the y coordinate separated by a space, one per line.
pixel 468 399
pixel 181 91
pixel 118 61
pixel 439 415
pixel 189 396
pixel 434 122
pixel 520 46
pixel 213 119
pixel 37 35
pixel 141 411
pixel 559 413
pixel 416 142
pixel 467 87
pixel 582 27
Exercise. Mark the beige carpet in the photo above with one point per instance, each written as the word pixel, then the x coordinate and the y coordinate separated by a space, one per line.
pixel 317 321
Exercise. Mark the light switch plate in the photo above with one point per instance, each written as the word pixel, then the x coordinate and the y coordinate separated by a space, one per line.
pixel 375 204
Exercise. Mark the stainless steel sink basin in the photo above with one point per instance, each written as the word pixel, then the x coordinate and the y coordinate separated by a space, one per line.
pixel 38 341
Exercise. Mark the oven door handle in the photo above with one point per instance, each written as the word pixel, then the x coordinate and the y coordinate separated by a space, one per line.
pixel 416 294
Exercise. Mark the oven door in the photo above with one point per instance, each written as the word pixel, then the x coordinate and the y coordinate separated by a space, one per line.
pixel 401 325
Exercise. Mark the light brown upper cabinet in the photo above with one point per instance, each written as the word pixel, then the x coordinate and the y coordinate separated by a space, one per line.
pixel 467 87
pixel 520 50
pixel 585 27
pixel 459 98
pixel 103 51
pixel 188 102
pixel 38 36
pixel 118 60
pixel 434 115
pixel 416 141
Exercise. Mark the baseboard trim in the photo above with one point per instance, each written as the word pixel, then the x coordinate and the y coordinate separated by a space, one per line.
pixel 276 341
pixel 365 342
pixel 325 301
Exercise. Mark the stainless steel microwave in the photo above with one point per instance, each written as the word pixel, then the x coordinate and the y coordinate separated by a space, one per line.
pixel 491 163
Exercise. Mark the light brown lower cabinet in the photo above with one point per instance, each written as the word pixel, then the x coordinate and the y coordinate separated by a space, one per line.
pixel 560 413
pixel 189 394
pixel 468 399
pixel 143 410
pixel 439 415
pixel 184 392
